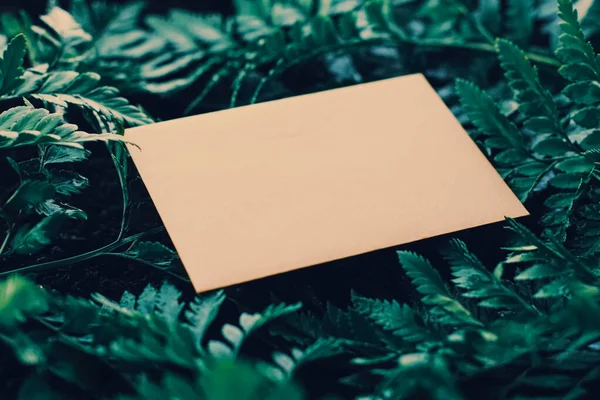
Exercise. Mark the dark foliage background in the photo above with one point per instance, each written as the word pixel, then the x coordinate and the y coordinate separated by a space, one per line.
pixel 482 330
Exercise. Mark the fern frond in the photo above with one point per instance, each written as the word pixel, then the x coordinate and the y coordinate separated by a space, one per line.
pixel 479 283
pixel 486 116
pixel 549 261
pixel 202 311
pixel 82 90
pixel 11 65
pixel 399 319
pixel 168 304
pixel 285 366
pixel 429 283
pixel 535 102
pixel 248 324
pixel 580 62
pixel 27 125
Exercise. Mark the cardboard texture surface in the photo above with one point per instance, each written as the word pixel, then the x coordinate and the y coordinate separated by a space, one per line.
pixel 260 190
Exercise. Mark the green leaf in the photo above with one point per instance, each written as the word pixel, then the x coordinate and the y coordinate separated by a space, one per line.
pixel 576 165
pixel 511 157
pixel 588 117
pixel 583 92
pixel 202 312
pixel 30 239
pixel 152 253
pixel 477 282
pixel 26 125
pixel 61 40
pixel 578 55
pixel 28 196
pixel 20 298
pixel 429 283
pixel 146 302
pixel 81 90
pixel 566 181
pixel 560 200
pixel 577 72
pixel 68 182
pixel 11 65
pixel 534 100
pixel 485 115
pixel 591 141
pixel 540 125
pixel 63 154
pixel 400 319
pixel 425 278
pixel 556 288
pixel 531 169
pixel 167 302
pixel 51 207
pixel 540 271
pixel 552 147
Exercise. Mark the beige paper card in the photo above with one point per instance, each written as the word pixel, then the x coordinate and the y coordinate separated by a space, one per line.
pixel 260 190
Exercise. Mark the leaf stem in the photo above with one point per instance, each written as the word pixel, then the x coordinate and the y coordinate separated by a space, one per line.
pixel 6 239
pixel 129 257
pixel 85 256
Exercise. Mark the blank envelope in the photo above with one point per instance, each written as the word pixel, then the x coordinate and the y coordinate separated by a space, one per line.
pixel 259 190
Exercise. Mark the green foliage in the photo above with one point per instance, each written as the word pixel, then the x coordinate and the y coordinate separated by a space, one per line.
pixel 523 325
pixel 119 345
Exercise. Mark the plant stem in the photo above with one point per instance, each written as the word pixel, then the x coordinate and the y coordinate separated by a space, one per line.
pixel 129 257
pixel 85 256
pixel 6 239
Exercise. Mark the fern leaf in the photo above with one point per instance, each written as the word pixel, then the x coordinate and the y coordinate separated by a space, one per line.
pixel 11 65
pixel 202 312
pixel 146 302
pixel 533 99
pixel 152 253
pixel 580 62
pixel 479 283
pixel 20 299
pixel 400 319
pixel 26 125
pixel 547 261
pixel 427 280
pixel 429 283
pixel 485 115
pixel 167 303
pixel 248 324
pixel 30 239
pixel 82 90
pixel 284 366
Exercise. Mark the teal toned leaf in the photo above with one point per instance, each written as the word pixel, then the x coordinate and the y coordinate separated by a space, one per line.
pixel 153 253
pixel 588 117
pixel 576 165
pixel 552 147
pixel 534 100
pixel 29 195
pixel 583 92
pixel 579 58
pixel 566 181
pixel 539 271
pixel 64 154
pixel 485 115
pixel 202 311
pixel 30 239
pixel 11 65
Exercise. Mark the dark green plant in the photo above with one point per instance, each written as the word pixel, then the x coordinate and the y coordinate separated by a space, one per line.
pixel 525 325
